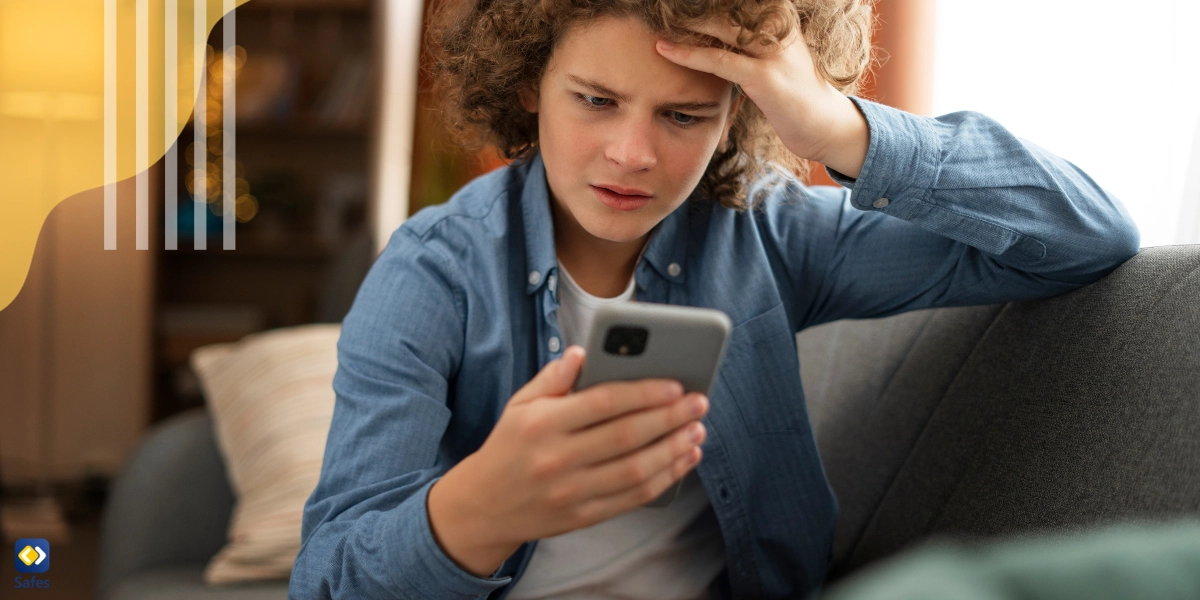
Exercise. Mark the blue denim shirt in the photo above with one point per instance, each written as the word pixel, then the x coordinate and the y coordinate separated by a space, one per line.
pixel 459 311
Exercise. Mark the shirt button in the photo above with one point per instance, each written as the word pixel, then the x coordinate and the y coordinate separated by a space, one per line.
pixel 554 344
pixel 534 277
pixel 880 203
pixel 550 281
pixel 673 269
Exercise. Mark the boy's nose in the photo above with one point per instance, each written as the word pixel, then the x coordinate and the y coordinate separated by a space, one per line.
pixel 632 147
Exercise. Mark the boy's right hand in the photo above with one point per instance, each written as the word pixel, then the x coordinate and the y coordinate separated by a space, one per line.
pixel 558 461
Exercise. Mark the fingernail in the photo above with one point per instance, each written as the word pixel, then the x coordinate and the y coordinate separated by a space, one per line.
pixel 695 433
pixel 665 45
pixel 697 405
pixel 674 388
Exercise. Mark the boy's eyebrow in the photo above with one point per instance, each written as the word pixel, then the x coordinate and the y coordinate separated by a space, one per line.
pixel 599 89
pixel 690 106
pixel 608 93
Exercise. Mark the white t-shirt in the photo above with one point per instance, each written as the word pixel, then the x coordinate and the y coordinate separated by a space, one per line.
pixel 668 553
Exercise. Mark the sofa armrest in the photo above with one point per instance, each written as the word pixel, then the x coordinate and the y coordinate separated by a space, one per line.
pixel 169 505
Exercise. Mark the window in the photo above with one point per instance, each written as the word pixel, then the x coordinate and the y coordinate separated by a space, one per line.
pixel 1113 88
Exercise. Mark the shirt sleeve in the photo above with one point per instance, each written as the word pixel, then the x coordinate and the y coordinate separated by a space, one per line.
pixel 365 531
pixel 946 211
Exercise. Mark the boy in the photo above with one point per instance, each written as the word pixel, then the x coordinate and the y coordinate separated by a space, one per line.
pixel 644 134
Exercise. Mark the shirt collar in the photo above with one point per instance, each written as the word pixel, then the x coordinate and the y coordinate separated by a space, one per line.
pixel 540 259
pixel 665 252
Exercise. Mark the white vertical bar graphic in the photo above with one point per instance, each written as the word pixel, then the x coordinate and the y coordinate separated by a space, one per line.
pixel 200 127
pixel 170 116
pixel 229 126
pixel 110 124
pixel 142 127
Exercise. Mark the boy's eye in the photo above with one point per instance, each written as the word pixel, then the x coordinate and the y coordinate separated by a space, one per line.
pixel 682 119
pixel 594 101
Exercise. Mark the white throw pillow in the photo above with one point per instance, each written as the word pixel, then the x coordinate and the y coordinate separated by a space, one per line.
pixel 271 399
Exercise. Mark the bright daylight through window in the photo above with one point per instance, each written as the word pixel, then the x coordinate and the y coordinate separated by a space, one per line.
pixel 1112 88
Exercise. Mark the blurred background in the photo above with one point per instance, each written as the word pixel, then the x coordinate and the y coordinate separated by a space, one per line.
pixel 339 138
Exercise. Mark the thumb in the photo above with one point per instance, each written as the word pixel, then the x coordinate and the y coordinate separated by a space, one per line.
pixel 555 379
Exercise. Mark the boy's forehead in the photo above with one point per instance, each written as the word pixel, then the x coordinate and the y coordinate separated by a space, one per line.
pixel 620 54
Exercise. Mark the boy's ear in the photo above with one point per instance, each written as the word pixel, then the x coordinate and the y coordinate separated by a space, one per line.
pixel 529 99
pixel 734 107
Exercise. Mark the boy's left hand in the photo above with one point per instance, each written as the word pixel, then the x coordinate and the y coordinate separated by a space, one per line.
pixel 813 119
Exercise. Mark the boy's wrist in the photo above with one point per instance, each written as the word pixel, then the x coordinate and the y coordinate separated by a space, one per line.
pixel 846 150
pixel 465 535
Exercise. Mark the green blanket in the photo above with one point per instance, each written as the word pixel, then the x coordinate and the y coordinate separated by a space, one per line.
pixel 1160 562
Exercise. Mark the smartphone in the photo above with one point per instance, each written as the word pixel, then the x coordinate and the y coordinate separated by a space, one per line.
pixel 641 340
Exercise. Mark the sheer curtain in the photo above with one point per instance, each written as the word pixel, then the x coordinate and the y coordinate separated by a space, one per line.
pixel 1112 88
pixel 1189 216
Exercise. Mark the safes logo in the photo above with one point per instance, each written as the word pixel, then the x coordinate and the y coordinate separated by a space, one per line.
pixel 33 555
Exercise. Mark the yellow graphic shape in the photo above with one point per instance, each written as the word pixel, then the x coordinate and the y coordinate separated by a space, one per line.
pixel 28 555
pixel 52 106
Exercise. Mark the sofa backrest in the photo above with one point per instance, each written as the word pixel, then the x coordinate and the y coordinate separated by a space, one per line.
pixel 170 505
pixel 984 421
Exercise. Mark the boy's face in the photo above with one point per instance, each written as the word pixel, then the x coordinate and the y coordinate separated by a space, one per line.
pixel 625 134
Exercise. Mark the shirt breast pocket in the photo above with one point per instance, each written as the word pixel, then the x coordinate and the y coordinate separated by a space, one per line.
pixel 761 372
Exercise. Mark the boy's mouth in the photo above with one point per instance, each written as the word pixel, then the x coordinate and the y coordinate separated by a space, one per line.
pixel 621 198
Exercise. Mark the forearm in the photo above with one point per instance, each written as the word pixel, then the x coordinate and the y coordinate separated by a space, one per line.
pixel 967 178
pixel 461 530
pixel 371 551
pixel 953 211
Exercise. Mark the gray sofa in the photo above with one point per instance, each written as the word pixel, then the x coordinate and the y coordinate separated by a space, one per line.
pixel 983 421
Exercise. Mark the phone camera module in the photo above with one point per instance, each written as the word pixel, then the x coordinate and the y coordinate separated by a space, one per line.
pixel 626 341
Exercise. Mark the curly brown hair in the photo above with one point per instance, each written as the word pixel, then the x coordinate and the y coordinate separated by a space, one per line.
pixel 485 51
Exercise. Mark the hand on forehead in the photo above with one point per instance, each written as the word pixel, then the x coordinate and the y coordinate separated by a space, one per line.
pixel 619 56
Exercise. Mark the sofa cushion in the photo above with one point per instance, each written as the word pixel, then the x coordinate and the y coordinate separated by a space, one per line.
pixel 871 387
pixel 271 399
pixel 186 582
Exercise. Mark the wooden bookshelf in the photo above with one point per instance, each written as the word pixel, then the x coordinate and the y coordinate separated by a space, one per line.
pixel 306 103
